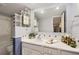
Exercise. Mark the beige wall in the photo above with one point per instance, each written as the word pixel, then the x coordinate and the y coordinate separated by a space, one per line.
pixel 5 26
pixel 5 33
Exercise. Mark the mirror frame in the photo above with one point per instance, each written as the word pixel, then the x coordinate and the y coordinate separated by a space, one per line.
pixel 24 17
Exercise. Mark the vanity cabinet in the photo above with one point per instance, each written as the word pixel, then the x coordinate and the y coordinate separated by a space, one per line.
pixel 33 49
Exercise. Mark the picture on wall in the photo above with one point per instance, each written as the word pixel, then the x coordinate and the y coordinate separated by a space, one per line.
pixel 26 20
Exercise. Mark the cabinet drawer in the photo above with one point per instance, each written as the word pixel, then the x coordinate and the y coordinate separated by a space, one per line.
pixel 33 47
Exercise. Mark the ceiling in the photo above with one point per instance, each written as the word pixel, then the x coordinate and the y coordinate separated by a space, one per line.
pixel 38 5
pixel 11 8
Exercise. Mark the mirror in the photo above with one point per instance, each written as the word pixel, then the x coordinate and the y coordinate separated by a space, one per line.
pixel 51 19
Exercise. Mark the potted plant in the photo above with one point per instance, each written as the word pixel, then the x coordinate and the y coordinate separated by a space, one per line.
pixel 32 35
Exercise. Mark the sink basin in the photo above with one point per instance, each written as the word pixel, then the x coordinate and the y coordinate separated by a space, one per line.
pixel 49 41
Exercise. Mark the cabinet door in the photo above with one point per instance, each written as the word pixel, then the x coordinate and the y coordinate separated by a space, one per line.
pixel 56 51
pixel 51 51
pixel 27 51
pixel 47 51
pixel 33 47
pixel 33 52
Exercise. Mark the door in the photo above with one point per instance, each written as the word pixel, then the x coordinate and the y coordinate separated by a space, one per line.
pixel 56 24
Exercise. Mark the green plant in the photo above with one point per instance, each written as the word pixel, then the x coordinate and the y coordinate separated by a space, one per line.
pixel 32 35
pixel 69 41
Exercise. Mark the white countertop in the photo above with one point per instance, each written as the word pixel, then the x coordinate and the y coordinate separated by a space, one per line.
pixel 58 45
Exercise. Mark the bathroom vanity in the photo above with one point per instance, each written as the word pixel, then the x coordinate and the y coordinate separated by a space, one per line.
pixel 39 47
